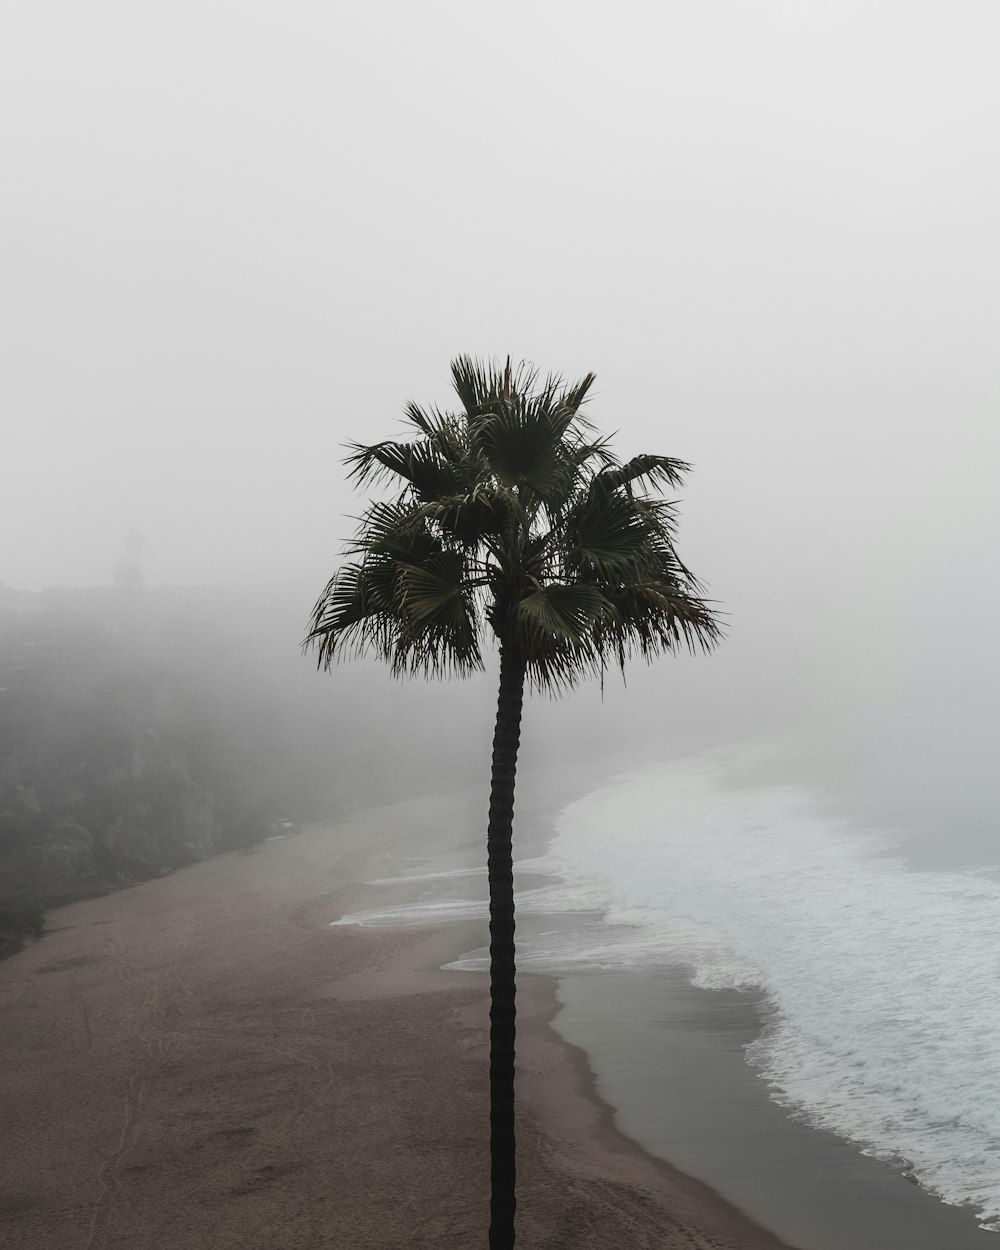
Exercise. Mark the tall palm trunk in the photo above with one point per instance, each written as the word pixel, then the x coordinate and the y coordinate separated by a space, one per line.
pixel 502 989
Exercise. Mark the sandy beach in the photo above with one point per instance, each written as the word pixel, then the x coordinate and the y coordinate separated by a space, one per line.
pixel 202 1061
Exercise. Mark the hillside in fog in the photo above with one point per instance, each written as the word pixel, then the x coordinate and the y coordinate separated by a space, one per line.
pixel 142 731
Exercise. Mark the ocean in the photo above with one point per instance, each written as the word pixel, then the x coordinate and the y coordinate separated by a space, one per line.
pixel 787 985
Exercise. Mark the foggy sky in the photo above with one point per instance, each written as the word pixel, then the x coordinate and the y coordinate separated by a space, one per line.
pixel 237 234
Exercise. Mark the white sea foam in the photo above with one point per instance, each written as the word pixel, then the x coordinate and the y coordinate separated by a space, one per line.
pixel 406 914
pixel 430 876
pixel 436 911
pixel 885 1023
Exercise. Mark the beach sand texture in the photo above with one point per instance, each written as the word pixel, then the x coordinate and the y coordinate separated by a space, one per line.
pixel 202 1062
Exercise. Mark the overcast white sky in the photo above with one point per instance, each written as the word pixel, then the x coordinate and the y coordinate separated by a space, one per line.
pixel 236 234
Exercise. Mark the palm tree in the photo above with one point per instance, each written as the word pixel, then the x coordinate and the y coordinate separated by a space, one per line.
pixel 510 517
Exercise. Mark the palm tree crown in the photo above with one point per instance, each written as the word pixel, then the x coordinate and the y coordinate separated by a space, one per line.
pixel 512 517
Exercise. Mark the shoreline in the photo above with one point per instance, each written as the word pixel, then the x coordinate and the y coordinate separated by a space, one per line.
pixel 559 1087
pixel 203 1062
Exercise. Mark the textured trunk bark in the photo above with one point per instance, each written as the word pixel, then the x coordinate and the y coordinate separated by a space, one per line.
pixel 506 738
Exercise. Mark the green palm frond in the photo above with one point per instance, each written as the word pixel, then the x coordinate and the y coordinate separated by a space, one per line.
pixel 599 453
pixel 396 532
pixel 564 612
pixel 438 427
pixel 424 466
pixel 607 536
pixel 521 447
pixel 472 517
pixel 535 446
pixel 573 397
pixel 354 614
pixel 440 634
pixel 651 470
pixel 654 617
pixel 474 383
pixel 432 588
pixel 482 386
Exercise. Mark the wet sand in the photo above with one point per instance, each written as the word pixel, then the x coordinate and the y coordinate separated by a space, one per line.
pixel 202 1062
pixel 671 1059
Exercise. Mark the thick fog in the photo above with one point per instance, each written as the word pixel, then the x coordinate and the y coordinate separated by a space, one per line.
pixel 237 235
